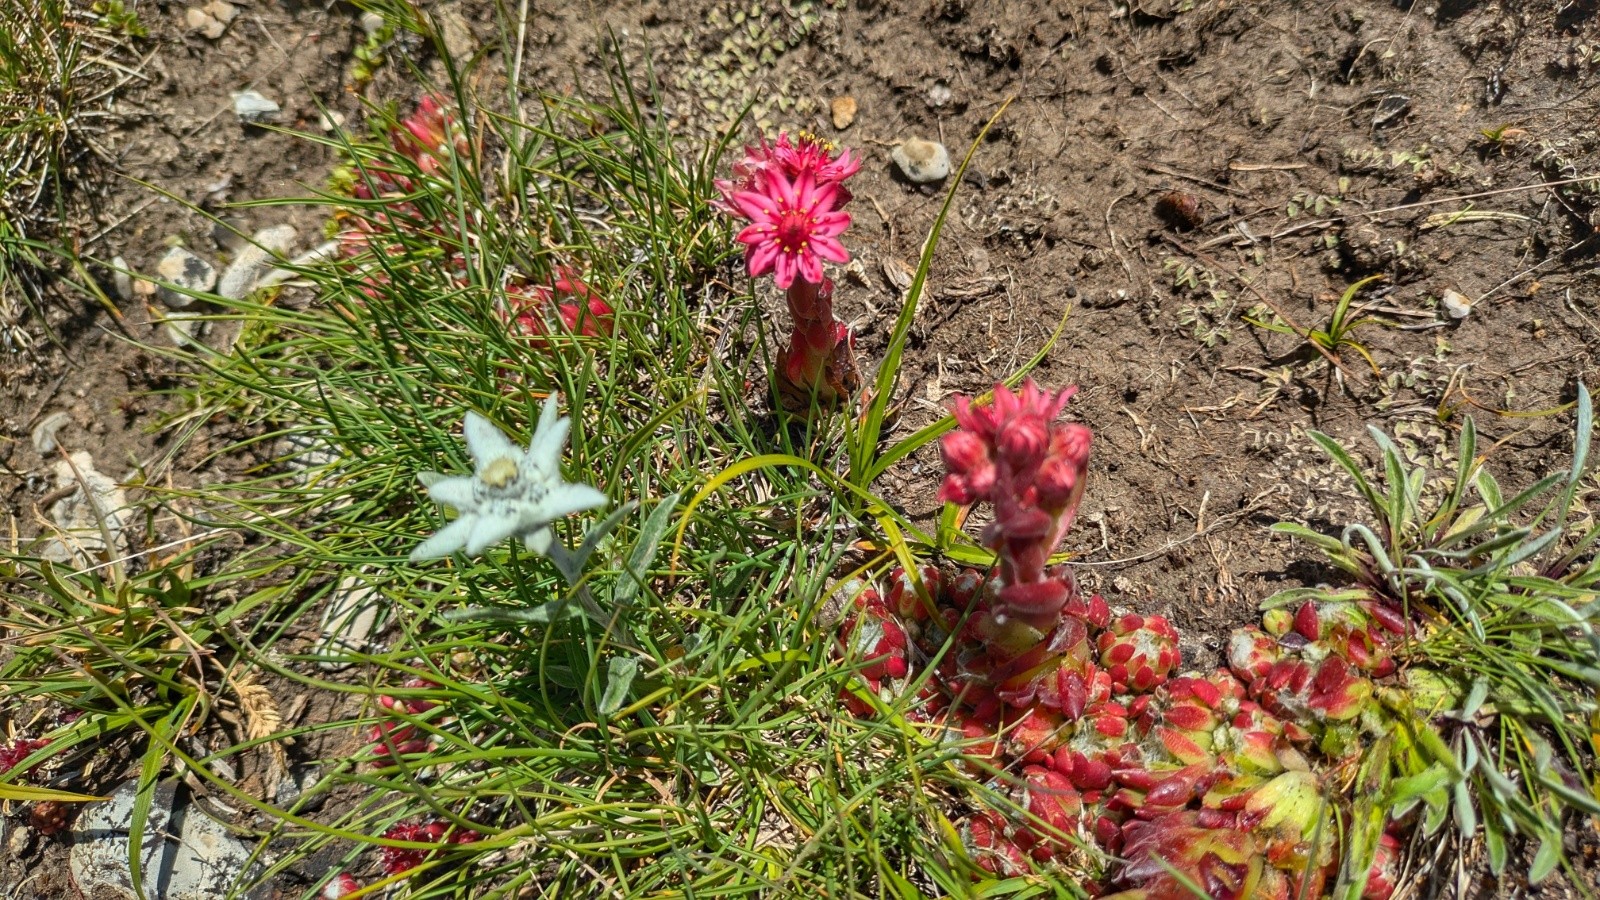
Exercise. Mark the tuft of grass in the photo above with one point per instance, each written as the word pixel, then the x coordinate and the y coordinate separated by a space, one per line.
pixel 1503 671
pixel 1338 334
pixel 629 721
pixel 61 64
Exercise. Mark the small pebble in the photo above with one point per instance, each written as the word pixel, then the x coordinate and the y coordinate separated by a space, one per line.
pixel 252 108
pixel 121 279
pixel 230 233
pixel 44 433
pixel 371 23
pixel 185 329
pixel 922 162
pixel 187 271
pixel 221 10
pixel 254 255
pixel 844 111
pixel 1456 304
pixel 203 22
pixel 1180 210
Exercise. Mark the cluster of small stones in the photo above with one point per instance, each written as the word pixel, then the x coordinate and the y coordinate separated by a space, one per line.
pixel 1219 775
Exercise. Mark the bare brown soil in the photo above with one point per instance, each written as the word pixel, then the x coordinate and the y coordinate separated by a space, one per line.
pixel 1318 144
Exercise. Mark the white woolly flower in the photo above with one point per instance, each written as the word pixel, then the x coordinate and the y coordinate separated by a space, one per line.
pixel 511 492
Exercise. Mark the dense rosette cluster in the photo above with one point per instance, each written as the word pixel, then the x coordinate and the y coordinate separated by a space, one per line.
pixel 395 737
pixel 791 194
pixel 1226 780
pixel 395 860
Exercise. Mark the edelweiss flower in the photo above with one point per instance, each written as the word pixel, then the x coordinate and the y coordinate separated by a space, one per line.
pixel 511 492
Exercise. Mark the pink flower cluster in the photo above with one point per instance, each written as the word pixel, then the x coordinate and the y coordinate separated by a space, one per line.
pixel 433 140
pixel 401 860
pixel 792 194
pixel 18 750
pixel 395 860
pixel 1030 468
pixel 429 138
pixel 580 307
pixel 394 738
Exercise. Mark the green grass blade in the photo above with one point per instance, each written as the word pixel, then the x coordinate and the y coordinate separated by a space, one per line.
pixel 867 435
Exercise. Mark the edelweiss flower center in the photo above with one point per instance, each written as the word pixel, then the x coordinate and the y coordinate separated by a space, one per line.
pixel 500 472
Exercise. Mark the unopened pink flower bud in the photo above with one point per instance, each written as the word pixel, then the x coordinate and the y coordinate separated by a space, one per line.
pixel 964 451
pixel 1022 441
pixel 1058 481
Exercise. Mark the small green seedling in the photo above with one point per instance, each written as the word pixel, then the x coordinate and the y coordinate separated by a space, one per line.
pixel 1340 328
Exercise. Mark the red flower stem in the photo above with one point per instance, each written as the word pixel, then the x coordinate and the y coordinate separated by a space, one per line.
pixel 816 334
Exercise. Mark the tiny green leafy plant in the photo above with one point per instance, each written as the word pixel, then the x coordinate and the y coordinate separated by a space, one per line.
pixel 1339 333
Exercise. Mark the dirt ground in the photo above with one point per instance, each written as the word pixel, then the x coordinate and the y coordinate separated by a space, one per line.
pixel 1310 146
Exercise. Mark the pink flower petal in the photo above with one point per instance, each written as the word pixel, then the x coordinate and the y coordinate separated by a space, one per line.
pixel 784 271
pixel 762 258
pixel 829 249
pixel 810 267
pixel 755 207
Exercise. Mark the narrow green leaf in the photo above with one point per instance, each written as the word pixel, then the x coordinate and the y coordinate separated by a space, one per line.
pixel 1321 541
pixel 572 564
pixel 1349 464
pixel 619 678
pixel 1488 489
pixel 1406 790
pixel 1465 813
pixel 1522 552
pixel 1580 441
pixel 23 793
pixel 651 533
pixel 1494 840
pixel 1546 859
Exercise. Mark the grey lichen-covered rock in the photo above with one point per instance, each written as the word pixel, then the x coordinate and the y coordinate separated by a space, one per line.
pixel 189 275
pixel 349 621
pixel 254 256
pixel 252 108
pixel 94 509
pixel 184 853
pixel 922 162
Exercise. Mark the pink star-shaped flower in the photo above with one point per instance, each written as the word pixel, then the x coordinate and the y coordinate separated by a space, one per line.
pixel 794 226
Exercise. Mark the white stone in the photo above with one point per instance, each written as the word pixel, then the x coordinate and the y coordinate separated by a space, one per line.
pixel 349 621
pixel 240 278
pixel 203 22
pixel 922 162
pixel 187 271
pixel 122 278
pixel 95 509
pixel 221 10
pixel 184 853
pixel 253 108
pixel 1456 304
